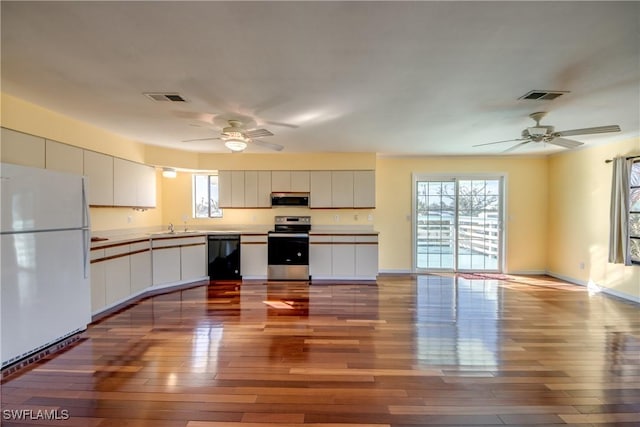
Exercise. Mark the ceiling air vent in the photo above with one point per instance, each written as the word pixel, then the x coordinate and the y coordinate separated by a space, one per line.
pixel 543 95
pixel 165 97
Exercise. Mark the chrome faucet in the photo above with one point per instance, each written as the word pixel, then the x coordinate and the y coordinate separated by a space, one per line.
pixel 171 227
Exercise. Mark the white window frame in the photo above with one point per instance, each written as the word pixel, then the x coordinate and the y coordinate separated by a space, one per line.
pixel 212 211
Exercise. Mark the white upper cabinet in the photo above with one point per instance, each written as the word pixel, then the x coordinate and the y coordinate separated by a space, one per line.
pixel 300 181
pixel 280 181
pixel 237 189
pixel 264 189
pixel 296 181
pixel 328 189
pixel 342 189
pixel 98 168
pixel 63 157
pixel 364 189
pixel 146 184
pixel 124 183
pixel 251 189
pixel 224 189
pixel 320 196
pixel 22 149
pixel 244 189
pixel 134 184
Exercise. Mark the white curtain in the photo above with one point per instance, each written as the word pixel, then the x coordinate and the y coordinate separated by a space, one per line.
pixel 619 251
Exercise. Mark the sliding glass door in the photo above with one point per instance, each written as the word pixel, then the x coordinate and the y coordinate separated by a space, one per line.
pixel 458 223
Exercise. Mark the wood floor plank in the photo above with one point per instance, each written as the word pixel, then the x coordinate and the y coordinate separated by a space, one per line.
pixel 430 350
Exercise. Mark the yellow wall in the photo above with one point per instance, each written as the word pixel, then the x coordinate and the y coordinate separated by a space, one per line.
pixel 526 205
pixel 579 198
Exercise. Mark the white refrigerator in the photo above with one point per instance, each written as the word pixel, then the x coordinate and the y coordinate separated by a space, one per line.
pixel 45 289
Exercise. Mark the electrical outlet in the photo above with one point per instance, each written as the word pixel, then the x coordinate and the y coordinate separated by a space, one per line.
pixel 336 218
pixel 355 217
pixel 370 217
pixel 581 265
pixel 129 219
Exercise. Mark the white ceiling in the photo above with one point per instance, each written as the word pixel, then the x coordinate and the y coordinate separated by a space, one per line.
pixel 430 78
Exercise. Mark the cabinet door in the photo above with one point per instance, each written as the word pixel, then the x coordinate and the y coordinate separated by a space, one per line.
pixel 366 257
pixel 320 257
pixel 140 267
pixel 320 189
pixel 253 256
pixel 98 168
pixel 343 256
pixel 237 189
pixel 250 189
pixel 342 189
pixel 63 157
pixel 125 178
pixel 280 181
pixel 118 279
pixel 166 265
pixel 21 149
pixel 264 189
pixel 98 284
pixel 364 189
pixel 146 186
pixel 224 189
pixel 300 181
pixel 193 262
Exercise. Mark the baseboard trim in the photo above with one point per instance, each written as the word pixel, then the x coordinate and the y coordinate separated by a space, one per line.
pixel 604 290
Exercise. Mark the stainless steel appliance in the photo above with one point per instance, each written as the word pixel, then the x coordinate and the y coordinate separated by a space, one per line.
pixel 288 248
pixel 289 199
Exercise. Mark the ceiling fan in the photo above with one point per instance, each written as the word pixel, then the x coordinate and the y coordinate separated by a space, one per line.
pixel 547 135
pixel 236 138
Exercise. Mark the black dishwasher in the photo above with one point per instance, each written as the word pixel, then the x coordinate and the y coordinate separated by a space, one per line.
pixel 224 256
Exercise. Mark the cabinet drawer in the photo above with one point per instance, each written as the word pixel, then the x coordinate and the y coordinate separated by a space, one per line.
pixel 253 239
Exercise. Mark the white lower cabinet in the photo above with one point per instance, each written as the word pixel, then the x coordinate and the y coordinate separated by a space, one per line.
pixel 343 256
pixel 253 256
pixel 166 265
pixel 120 271
pixel 118 279
pixel 98 281
pixel 140 260
pixel 178 259
pixel 193 264
pixel 343 252
pixel 366 257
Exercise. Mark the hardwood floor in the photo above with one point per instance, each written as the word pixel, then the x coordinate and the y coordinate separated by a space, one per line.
pixel 431 350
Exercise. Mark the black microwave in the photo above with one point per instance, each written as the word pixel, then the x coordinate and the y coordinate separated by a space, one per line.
pixel 289 199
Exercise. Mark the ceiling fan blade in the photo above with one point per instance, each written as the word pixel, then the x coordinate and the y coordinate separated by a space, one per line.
pixel 286 125
pixel 270 145
pixel 566 143
pixel 200 139
pixel 516 146
pixel 257 133
pixel 500 142
pixel 587 131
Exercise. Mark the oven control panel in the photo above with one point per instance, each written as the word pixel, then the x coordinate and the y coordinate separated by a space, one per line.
pixel 305 220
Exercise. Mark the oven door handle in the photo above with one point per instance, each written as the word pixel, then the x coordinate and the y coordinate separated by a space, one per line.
pixel 303 235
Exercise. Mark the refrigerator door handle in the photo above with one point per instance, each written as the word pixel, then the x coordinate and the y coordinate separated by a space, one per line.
pixel 86 228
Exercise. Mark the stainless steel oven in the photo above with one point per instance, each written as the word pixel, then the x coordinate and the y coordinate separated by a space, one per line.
pixel 288 248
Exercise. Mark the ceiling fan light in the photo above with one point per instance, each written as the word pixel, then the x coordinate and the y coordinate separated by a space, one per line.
pixel 235 144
